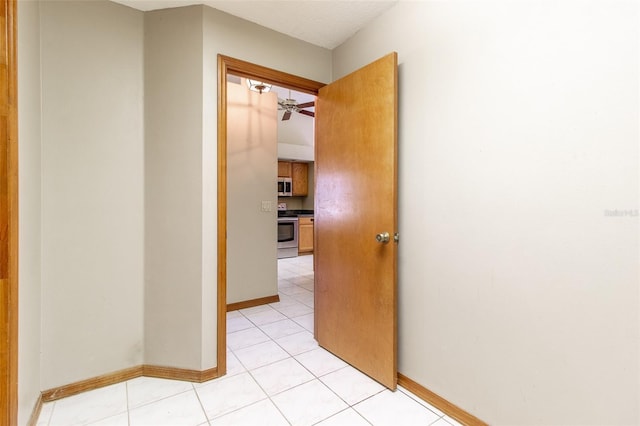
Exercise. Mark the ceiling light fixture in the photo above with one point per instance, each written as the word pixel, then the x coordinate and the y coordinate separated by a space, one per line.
pixel 258 86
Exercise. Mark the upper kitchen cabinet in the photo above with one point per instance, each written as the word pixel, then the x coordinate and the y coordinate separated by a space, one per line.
pixel 299 174
pixel 284 169
pixel 300 179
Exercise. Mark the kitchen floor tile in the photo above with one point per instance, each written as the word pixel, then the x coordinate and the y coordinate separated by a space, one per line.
pixel 261 354
pixel 304 298
pixel 320 362
pixel 238 323
pixel 233 314
pixel 295 310
pixel 284 301
pixel 306 321
pixel 420 401
pixel 351 385
pixel 309 285
pixel 222 396
pixel 45 413
pixel 234 366
pixel 452 421
pixel 262 413
pixel 298 343
pixel 282 375
pixel 254 309
pixel 308 403
pixel 293 290
pixel 117 420
pixel 394 408
pixel 265 317
pixel 143 390
pixel 183 409
pixel 278 329
pixel 90 406
pixel 244 338
pixel 348 417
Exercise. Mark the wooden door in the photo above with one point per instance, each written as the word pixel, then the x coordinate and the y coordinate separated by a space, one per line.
pixel 356 199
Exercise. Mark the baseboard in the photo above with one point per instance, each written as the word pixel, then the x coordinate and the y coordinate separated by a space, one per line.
pixel 92 383
pixel 124 375
pixel 35 414
pixel 253 302
pixel 179 373
pixel 439 402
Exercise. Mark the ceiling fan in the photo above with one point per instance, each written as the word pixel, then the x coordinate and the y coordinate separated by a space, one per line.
pixel 291 105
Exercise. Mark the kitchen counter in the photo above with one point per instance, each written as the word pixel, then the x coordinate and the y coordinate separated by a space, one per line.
pixel 294 213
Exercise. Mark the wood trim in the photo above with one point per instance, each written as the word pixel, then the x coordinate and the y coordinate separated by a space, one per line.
pixel 222 217
pixel 439 402
pixel 241 68
pixel 253 302
pixel 156 371
pixel 8 214
pixel 35 413
pixel 173 373
pixel 269 75
pixel 92 383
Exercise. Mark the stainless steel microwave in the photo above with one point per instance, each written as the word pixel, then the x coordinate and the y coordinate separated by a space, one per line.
pixel 285 187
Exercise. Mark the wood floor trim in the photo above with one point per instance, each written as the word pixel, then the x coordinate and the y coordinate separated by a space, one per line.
pixel 439 402
pixel 173 373
pixel 35 413
pixel 253 302
pixel 120 376
pixel 91 384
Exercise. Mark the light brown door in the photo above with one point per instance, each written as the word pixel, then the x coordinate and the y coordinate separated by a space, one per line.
pixel 356 199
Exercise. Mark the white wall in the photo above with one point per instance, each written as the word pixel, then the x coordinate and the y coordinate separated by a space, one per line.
pixel 181 167
pixel 92 189
pixel 174 187
pixel 296 137
pixel 252 169
pixel 29 209
pixel 518 128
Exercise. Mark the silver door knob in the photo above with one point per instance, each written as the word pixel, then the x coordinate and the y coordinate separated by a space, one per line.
pixel 383 238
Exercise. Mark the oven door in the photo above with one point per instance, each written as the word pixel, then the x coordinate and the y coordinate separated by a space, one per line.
pixel 287 237
pixel 287 232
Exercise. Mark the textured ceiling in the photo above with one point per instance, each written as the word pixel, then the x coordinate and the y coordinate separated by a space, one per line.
pixel 325 23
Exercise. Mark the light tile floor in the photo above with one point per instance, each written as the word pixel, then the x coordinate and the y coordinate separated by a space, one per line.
pixel 276 375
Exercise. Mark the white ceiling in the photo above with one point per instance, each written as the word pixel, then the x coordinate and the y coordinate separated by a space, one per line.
pixel 325 23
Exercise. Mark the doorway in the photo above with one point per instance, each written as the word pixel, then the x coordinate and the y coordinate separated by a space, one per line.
pixel 227 65
pixel 355 241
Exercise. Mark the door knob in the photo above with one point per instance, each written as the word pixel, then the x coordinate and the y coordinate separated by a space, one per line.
pixel 383 238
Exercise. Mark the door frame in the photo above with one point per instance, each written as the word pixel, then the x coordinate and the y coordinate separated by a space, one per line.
pixel 9 214
pixel 228 65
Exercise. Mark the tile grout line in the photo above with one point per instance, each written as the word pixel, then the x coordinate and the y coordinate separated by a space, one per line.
pixel 206 416
pixel 126 392
pixel 440 416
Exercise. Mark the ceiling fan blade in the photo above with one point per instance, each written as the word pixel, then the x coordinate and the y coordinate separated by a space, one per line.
pixel 306 104
pixel 286 116
pixel 309 113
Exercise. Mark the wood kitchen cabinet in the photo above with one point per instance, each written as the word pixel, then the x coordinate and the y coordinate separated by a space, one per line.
pixel 305 235
pixel 284 169
pixel 299 174
pixel 300 179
